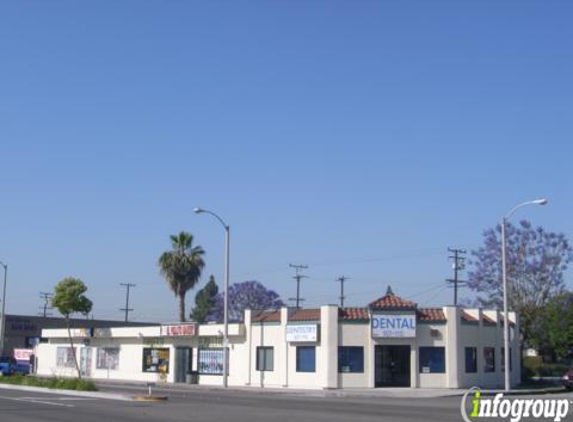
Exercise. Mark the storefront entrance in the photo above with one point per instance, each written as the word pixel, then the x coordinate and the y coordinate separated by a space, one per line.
pixel 183 359
pixel 392 366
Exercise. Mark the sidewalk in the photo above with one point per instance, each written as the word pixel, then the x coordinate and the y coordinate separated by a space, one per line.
pixel 350 392
pixel 72 393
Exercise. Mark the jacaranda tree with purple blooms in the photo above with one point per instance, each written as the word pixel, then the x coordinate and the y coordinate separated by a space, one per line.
pixel 536 263
pixel 246 295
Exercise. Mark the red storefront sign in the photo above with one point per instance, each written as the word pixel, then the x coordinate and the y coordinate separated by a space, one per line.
pixel 182 330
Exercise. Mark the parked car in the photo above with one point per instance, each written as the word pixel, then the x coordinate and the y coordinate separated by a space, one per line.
pixel 568 380
pixel 10 366
pixel 7 365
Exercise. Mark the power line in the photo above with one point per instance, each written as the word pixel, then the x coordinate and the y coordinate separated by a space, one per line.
pixel 298 277
pixel 45 307
pixel 341 280
pixel 458 265
pixel 127 309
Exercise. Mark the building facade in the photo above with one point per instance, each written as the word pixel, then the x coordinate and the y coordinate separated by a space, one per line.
pixel 390 343
pixel 25 331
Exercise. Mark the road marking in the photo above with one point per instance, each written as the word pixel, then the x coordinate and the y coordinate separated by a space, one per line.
pixel 32 400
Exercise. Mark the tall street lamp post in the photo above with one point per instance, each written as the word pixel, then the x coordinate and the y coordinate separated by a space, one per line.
pixel 506 350
pixel 225 296
pixel 3 316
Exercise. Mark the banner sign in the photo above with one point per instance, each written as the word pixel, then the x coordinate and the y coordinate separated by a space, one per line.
pixel 394 325
pixel 302 333
pixel 181 330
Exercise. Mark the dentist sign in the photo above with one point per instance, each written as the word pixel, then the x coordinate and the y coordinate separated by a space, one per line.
pixel 394 325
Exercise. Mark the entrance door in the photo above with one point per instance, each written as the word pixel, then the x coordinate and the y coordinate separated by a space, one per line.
pixel 392 366
pixel 183 359
pixel 86 362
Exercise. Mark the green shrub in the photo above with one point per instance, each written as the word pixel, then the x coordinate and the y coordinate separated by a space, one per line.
pixel 53 383
pixel 533 366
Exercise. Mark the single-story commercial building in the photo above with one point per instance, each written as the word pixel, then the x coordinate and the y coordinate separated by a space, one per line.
pixel 390 343
pixel 24 331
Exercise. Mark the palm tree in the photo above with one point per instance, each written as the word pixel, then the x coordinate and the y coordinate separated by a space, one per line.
pixel 182 267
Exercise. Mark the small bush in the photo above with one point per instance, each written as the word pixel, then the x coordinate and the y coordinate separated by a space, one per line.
pixel 52 383
pixel 533 366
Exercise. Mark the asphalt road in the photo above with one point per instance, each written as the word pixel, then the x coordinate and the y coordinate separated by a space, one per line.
pixel 208 405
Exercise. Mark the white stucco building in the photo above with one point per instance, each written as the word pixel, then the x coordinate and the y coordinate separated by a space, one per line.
pixel 390 343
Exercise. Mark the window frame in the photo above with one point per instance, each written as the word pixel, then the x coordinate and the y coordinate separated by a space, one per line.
pixel 487 368
pixel 161 362
pixel 262 365
pixel 69 358
pixel 474 351
pixel 441 366
pixel 300 349
pixel 502 359
pixel 217 357
pixel 344 357
pixel 106 358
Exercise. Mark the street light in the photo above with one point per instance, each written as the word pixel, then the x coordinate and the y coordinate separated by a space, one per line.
pixel 541 201
pixel 3 316
pixel 225 296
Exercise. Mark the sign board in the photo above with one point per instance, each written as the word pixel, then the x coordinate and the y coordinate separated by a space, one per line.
pixel 394 325
pixel 82 332
pixel 23 354
pixel 180 330
pixel 302 333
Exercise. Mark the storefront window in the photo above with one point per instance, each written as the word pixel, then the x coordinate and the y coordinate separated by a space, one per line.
pixel 211 361
pixel 350 359
pixel 156 360
pixel 108 358
pixel 502 359
pixel 471 360
pixel 65 357
pixel 489 359
pixel 305 359
pixel 265 358
pixel 432 360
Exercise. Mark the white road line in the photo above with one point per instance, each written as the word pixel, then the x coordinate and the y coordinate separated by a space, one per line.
pixel 28 400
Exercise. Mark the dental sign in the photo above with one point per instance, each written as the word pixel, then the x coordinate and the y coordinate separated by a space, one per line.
pixel 394 325
pixel 301 333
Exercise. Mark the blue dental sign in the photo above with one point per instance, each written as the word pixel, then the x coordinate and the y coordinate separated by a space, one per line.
pixel 394 325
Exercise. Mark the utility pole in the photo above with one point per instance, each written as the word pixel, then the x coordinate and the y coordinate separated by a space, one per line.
pixel 341 280
pixel 458 258
pixel 127 309
pixel 298 277
pixel 46 297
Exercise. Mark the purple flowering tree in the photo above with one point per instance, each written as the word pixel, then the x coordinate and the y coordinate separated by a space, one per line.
pixel 536 263
pixel 246 295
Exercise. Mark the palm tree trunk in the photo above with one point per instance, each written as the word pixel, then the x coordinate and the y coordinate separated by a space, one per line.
pixel 181 307
pixel 72 346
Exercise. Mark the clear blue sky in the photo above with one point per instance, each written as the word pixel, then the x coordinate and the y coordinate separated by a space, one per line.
pixel 358 137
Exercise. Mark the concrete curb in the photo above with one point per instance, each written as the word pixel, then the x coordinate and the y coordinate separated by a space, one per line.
pixel 90 394
pixel 527 392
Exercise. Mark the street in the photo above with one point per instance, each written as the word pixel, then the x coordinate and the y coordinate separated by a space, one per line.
pixel 209 405
pixel 218 405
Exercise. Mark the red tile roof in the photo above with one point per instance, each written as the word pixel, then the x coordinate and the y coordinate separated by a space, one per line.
pixel 305 315
pixel 511 323
pixel 353 314
pixel 392 301
pixel 487 320
pixel 266 316
pixel 468 318
pixel 431 315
